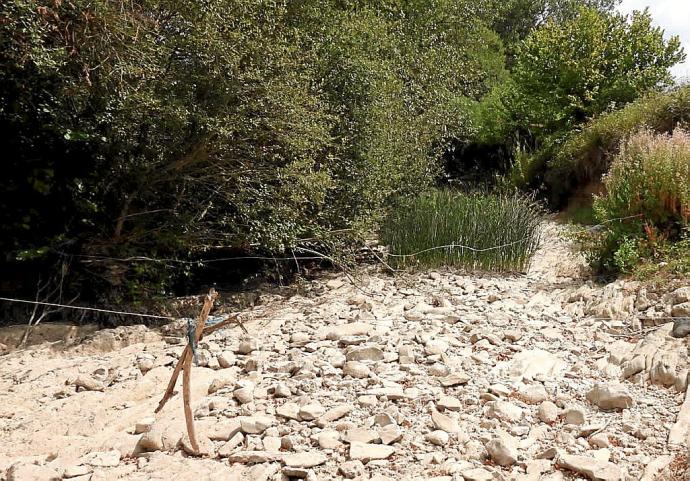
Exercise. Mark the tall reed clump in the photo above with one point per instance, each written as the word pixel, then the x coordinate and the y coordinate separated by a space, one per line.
pixel 649 178
pixel 503 231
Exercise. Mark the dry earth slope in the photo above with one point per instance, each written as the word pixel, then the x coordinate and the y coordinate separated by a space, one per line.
pixel 436 376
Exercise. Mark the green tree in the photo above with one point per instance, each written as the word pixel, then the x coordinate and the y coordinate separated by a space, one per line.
pixel 514 20
pixel 568 72
pixel 170 127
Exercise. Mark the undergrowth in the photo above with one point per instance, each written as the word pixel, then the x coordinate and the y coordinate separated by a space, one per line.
pixel 645 205
pixel 415 231
pixel 670 261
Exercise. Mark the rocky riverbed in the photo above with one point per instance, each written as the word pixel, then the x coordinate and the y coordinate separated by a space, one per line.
pixel 433 376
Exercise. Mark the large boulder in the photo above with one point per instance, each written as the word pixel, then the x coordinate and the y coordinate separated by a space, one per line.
pixel 610 396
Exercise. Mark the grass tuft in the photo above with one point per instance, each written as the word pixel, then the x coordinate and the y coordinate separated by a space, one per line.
pixel 415 229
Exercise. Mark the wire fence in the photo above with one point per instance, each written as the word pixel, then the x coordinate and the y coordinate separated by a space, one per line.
pixel 218 320
pixel 320 256
pixel 314 255
pixel 84 308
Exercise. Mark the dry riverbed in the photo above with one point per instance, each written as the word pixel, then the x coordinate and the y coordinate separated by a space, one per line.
pixel 443 376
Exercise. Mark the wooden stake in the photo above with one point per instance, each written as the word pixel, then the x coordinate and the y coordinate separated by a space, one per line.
pixel 184 364
pixel 186 400
pixel 205 311
pixel 178 367
pixel 173 379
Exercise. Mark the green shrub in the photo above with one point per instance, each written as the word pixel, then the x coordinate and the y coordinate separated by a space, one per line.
pixel 627 255
pixel 173 128
pixel 651 177
pixel 670 260
pixel 414 230
pixel 646 200
pixel 527 168
pixel 569 72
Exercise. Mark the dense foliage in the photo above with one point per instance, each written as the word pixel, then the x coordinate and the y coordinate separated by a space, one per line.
pixel 170 128
pixel 179 130
pixel 569 73
pixel 650 176
pixel 470 230
pixel 577 60
pixel 648 188
pixel 587 153
pixel 514 20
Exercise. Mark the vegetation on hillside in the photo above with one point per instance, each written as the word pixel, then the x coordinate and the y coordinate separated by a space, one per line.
pixel 567 74
pixel 648 185
pixel 180 130
pixel 577 65
pixel 587 153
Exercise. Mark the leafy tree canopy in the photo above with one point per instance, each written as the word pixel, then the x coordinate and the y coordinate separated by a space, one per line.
pixel 568 72
pixel 174 128
pixel 514 20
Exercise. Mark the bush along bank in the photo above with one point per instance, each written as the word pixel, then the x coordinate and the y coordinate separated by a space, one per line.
pixel 649 184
